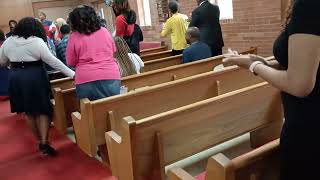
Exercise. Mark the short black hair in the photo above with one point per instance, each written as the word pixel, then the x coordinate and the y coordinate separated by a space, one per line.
pixel 173 6
pixel 103 23
pixel 28 27
pixel 84 19
pixel 2 36
pixel 65 29
pixel 12 21
pixel 194 32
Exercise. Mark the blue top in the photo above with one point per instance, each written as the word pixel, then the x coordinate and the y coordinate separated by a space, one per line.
pixel 196 51
pixel 61 49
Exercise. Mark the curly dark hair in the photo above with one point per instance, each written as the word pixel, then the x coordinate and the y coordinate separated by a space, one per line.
pixel 84 19
pixel 28 27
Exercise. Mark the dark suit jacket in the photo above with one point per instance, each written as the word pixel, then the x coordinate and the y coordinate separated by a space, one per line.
pixel 207 18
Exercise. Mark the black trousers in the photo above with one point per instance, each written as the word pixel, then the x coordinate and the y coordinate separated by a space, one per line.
pixel 176 52
pixel 216 51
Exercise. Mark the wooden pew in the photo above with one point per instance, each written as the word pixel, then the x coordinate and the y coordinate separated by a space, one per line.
pixel 157 55
pixel 63 83
pixel 62 116
pixel 155 64
pixel 142 147
pixel 261 163
pixel 165 74
pixel 96 116
pixel 153 50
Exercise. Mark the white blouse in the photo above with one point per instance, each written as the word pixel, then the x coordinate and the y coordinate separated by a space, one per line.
pixel 17 49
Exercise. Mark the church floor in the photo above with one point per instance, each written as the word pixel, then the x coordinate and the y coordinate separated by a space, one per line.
pixel 20 159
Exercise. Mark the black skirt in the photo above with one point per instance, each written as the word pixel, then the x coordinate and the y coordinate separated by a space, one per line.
pixel 29 90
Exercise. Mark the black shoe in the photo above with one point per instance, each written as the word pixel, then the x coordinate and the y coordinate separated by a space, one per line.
pixel 46 149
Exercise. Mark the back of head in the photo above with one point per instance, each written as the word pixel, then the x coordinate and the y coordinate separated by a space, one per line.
pixel 194 33
pixel 103 23
pixel 126 65
pixel 173 6
pixel 60 22
pixel 121 6
pixel 28 27
pixel 84 20
pixel 65 29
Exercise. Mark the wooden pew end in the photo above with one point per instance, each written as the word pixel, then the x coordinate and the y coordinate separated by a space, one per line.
pixel 76 118
pixel 220 165
pixel 179 174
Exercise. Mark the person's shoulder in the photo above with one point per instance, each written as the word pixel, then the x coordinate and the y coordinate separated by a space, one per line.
pixel 121 18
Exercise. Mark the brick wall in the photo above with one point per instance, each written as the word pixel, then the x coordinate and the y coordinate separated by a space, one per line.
pixel 255 23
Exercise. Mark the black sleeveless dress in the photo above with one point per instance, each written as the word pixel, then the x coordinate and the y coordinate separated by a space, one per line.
pixel 300 138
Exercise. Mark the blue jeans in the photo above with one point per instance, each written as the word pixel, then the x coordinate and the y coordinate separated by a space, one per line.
pixel 98 89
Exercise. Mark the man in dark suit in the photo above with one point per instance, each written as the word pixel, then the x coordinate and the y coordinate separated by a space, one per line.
pixel 206 17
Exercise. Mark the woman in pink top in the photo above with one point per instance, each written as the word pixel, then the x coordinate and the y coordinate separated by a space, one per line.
pixel 90 49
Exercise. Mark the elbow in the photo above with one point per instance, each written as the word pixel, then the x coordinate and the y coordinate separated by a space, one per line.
pixel 303 90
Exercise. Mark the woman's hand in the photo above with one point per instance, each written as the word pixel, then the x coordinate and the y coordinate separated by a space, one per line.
pixel 244 61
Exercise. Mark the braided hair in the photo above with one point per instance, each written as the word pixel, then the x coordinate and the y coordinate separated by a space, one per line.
pixel 288 13
pixel 127 68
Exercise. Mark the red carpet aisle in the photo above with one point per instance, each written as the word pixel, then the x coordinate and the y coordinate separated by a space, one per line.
pixel 20 160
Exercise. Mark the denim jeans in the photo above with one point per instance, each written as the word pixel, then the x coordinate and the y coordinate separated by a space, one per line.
pixel 98 89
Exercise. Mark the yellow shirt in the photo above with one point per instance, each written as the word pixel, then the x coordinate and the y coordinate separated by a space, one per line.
pixel 177 27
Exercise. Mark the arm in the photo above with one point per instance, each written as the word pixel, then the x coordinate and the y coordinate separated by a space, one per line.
pixel 300 78
pixel 167 29
pixel 48 58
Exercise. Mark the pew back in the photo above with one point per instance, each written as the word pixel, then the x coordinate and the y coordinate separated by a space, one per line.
pixel 162 75
pixel 153 50
pixel 145 146
pixel 157 55
pixel 155 64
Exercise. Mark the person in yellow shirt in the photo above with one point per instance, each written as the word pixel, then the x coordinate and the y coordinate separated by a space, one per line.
pixel 176 27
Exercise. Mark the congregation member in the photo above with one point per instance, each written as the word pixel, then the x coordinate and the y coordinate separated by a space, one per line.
pixel 175 26
pixel 126 26
pixel 62 45
pixel 296 73
pixel 197 50
pixel 48 25
pixel 29 87
pixel 59 23
pixel 130 63
pixel 12 24
pixel 206 17
pixel 90 50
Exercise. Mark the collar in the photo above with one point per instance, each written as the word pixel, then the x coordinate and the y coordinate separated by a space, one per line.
pixel 202 3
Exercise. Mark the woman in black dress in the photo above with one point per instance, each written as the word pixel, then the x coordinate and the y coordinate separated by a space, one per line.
pixel 296 74
pixel 29 87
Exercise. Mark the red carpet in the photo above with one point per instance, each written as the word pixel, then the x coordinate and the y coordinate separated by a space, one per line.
pixel 20 160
